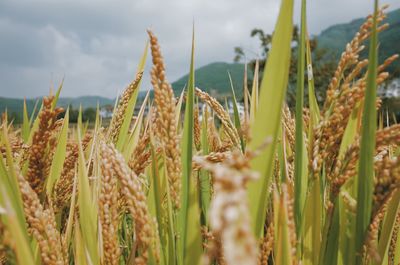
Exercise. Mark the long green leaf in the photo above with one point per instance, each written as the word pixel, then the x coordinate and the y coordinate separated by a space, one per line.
pixel 387 228
pixel 312 224
pixel 189 213
pixel 351 130
pixel 87 210
pixel 33 112
pixel 11 201
pixel 123 133
pixel 236 115
pixel 59 156
pixel 57 95
pixel 245 95
pixel 134 136
pixel 204 175
pixel 300 160
pixel 312 100
pixel 268 116
pixel 367 148
pixel 80 250
pixel 35 126
pixel 254 94
pixel 282 246
pixel 157 189
pixel 396 258
pixel 178 110
pixel 329 248
pixel 8 177
pixel 25 124
pixel 17 231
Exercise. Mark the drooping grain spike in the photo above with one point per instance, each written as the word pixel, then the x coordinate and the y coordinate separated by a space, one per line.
pixel 118 119
pixel 42 225
pixel 108 211
pixel 38 152
pixel 222 115
pixel 136 200
pixel 229 211
pixel 165 125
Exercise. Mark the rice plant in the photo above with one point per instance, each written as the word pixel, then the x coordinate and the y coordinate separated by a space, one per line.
pixel 187 183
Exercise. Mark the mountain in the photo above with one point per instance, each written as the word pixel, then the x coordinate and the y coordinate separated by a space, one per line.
pixel 336 37
pixel 14 105
pixel 85 101
pixel 214 79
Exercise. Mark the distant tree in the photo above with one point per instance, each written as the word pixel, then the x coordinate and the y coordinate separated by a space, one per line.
pixel 89 114
pixel 15 117
pixel 73 114
pixel 323 63
pixel 239 54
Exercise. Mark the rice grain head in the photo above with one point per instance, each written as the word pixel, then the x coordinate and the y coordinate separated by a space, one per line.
pixel 39 158
pixel 135 198
pixel 42 225
pixel 165 124
pixel 118 119
pixel 229 210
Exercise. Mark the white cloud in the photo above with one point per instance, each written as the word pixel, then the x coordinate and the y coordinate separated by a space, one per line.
pixel 97 44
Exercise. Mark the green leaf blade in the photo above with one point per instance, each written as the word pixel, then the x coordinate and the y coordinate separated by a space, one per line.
pixel 59 155
pixel 273 90
pixel 300 161
pixel 367 147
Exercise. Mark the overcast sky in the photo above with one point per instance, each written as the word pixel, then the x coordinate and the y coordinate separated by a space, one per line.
pixel 96 44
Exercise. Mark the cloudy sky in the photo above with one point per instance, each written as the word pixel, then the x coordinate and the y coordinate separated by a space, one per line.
pixel 96 44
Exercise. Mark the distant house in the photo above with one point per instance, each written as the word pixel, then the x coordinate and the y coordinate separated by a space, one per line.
pixel 239 106
pixel 391 90
pixel 106 111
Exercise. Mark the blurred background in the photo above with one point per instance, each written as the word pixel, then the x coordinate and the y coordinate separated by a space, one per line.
pixel 96 45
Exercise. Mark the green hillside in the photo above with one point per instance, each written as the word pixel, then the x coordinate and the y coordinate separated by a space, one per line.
pixel 214 79
pixel 336 37
pixel 86 101
pixel 14 105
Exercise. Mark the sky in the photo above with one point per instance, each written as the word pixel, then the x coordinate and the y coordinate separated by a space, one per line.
pixel 95 45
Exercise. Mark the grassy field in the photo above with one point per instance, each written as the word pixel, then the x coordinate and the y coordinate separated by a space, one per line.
pixel 180 184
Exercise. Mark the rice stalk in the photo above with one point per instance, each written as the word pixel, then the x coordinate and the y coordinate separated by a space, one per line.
pixel 165 126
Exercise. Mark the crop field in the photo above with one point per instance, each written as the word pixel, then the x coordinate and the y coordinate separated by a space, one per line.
pixel 183 181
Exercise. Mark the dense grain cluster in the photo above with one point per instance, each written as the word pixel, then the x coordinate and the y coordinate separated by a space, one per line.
pixel 344 94
pixel 108 211
pixel 42 225
pixel 141 156
pixel 229 128
pixel 135 199
pixel 266 245
pixel 118 118
pixel 165 127
pixel 64 186
pixel 229 216
pixel 41 149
